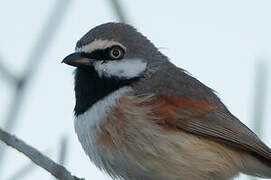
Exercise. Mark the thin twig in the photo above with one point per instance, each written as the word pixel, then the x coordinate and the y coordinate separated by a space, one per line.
pixel 260 92
pixel 63 150
pixel 24 171
pixel 260 88
pixel 7 74
pixel 33 62
pixel 37 157
pixel 118 10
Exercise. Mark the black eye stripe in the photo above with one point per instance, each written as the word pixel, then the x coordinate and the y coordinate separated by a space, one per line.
pixel 97 54
pixel 102 54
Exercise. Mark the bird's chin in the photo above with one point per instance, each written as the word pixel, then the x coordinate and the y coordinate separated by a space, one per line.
pixel 86 68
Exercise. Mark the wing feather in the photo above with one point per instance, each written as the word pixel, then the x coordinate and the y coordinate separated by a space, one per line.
pixel 204 118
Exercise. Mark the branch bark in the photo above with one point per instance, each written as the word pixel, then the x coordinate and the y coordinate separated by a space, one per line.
pixel 34 61
pixel 7 74
pixel 119 11
pixel 37 157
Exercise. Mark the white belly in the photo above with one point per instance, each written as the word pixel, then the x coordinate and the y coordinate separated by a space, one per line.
pixel 87 128
pixel 151 153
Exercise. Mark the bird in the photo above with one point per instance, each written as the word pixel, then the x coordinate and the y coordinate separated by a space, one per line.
pixel 140 117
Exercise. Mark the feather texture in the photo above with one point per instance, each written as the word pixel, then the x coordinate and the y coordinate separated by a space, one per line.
pixel 140 148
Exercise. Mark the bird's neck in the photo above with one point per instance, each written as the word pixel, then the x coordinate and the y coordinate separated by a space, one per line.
pixel 90 88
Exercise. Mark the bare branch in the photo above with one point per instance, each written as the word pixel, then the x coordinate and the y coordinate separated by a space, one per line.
pixel 33 62
pixel 24 171
pixel 260 93
pixel 63 150
pixel 7 74
pixel 118 10
pixel 47 34
pixel 38 158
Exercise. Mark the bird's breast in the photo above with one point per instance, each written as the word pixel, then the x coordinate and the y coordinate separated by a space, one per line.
pixel 122 135
pixel 88 127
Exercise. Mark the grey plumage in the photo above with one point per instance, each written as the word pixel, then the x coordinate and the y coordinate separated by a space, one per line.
pixel 139 46
pixel 188 110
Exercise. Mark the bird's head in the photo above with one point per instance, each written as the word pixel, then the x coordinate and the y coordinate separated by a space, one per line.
pixel 115 50
pixel 108 57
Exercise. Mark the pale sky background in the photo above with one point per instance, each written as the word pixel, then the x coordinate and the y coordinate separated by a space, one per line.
pixel 219 42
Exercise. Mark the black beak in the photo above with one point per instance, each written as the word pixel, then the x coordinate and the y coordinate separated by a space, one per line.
pixel 76 59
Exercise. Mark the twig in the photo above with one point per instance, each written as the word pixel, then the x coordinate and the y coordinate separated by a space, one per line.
pixel 24 171
pixel 33 62
pixel 63 150
pixel 260 91
pixel 260 87
pixel 7 74
pixel 118 10
pixel 38 158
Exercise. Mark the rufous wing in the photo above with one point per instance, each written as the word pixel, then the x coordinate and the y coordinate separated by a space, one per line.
pixel 203 118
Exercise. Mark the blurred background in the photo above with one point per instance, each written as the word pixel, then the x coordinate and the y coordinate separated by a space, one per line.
pixel 225 44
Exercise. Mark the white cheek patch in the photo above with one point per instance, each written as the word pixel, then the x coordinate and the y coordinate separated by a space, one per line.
pixel 125 68
pixel 98 44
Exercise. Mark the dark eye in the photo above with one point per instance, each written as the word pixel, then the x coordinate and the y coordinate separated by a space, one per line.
pixel 116 53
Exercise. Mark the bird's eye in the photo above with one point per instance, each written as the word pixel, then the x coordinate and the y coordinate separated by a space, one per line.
pixel 116 53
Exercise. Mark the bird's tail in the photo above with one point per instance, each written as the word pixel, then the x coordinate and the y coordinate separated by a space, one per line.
pixel 256 166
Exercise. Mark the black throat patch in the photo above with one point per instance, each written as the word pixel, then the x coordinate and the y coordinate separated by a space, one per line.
pixel 90 88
